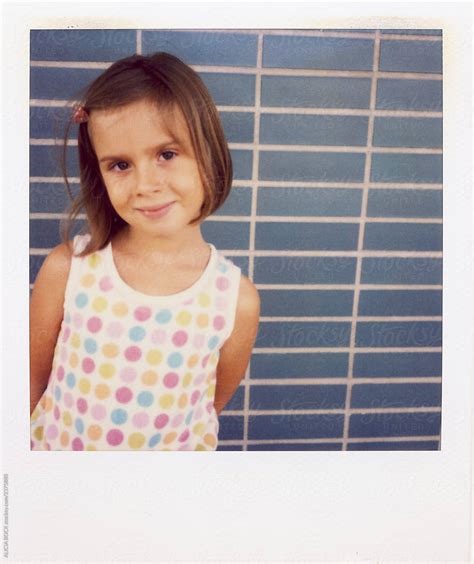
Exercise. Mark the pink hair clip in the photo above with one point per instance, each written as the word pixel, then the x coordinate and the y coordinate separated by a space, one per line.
pixel 80 115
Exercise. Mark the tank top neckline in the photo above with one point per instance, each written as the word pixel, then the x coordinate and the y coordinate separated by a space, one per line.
pixel 136 295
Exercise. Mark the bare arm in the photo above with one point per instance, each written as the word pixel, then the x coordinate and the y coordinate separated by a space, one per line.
pixel 46 315
pixel 236 351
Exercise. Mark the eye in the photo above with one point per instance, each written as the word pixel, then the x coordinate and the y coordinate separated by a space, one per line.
pixel 168 155
pixel 112 167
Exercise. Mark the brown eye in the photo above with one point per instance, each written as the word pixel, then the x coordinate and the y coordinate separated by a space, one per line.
pixel 119 163
pixel 168 155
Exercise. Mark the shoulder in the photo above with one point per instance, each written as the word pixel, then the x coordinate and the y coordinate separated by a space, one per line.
pixel 58 262
pixel 248 302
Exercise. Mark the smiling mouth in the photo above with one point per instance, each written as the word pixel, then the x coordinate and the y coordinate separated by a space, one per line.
pixel 155 208
pixel 158 211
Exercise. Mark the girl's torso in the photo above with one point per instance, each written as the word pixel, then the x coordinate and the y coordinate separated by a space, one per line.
pixel 133 371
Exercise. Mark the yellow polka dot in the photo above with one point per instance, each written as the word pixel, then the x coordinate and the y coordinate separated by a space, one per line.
pixel 200 447
pixel 67 418
pixel 100 304
pixel 149 377
pixel 94 432
pixel 73 360
pixel 107 370
pixel 211 390
pixel 38 433
pixel 204 300
pixel 213 359
pixel 183 400
pixel 193 360
pixel 166 401
pixel 120 309
pixel 110 350
pixel 198 429
pixel 154 356
pixel 90 447
pixel 64 438
pixel 210 440
pixel 187 379
pixel 75 340
pixel 183 318
pixel 170 437
pixel 136 440
pixel 87 280
pixel 93 260
pixel 102 391
pixel 203 320
pixel 84 385
pixel 48 404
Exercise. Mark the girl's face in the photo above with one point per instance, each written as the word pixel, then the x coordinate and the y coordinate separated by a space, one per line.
pixel 146 164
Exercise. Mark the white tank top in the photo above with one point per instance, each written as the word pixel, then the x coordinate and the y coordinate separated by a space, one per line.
pixel 133 371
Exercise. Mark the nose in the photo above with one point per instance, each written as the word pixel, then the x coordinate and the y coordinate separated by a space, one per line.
pixel 149 178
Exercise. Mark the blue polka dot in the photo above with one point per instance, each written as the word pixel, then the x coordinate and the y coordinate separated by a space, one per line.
pixel 213 342
pixel 137 333
pixel 154 440
pixel 57 393
pixel 70 380
pixel 79 426
pixel 145 399
pixel 81 300
pixel 90 345
pixel 188 418
pixel 163 316
pixel 175 360
pixel 222 267
pixel 118 416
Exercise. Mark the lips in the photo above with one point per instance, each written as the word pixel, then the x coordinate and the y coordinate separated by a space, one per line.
pixel 154 208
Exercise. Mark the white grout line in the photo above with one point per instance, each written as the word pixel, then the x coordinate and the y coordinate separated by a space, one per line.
pixel 360 244
pixel 347 318
pixel 338 381
pixel 297 350
pixel 139 42
pixel 253 213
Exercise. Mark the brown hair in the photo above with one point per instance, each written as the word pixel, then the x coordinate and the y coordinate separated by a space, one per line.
pixel 169 82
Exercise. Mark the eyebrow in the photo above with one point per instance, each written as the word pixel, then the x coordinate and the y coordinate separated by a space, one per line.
pixel 169 141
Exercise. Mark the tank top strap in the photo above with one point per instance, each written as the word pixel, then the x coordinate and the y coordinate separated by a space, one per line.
pixel 226 287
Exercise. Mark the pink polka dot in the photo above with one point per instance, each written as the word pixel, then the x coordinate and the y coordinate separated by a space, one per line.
pixel 140 419
pixel 133 353
pixel 105 284
pixel 199 412
pixel 77 444
pixel 63 354
pixel 184 435
pixel 94 324
pixel 88 365
pixel 204 361
pixel 158 336
pixel 124 394
pixel 195 396
pixel 199 340
pixel 180 338
pixel 128 374
pixel 52 431
pixel 77 320
pixel 199 379
pixel 142 313
pixel 82 405
pixel 57 413
pixel 218 322
pixel 209 406
pixel 66 334
pixel 114 437
pixel 161 420
pixel 171 379
pixel 222 283
pixel 60 373
pixel 98 412
pixel 177 420
pixel 221 303
pixel 115 329
pixel 188 302
pixel 68 399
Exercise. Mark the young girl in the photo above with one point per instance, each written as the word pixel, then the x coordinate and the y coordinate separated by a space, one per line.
pixel 140 331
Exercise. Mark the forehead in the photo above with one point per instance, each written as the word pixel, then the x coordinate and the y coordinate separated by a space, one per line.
pixel 138 120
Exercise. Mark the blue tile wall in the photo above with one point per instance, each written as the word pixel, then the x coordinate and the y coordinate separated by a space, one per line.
pixel 343 244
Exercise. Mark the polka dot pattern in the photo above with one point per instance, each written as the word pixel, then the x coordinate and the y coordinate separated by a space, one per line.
pixel 132 372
